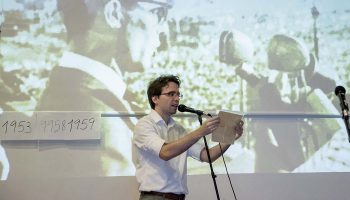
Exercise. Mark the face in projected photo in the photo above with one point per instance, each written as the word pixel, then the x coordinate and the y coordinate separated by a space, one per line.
pixel 127 31
pixel 291 85
pixel 143 31
pixel 287 60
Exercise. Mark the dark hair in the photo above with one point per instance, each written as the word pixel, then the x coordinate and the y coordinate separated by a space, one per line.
pixel 155 87
pixel 78 15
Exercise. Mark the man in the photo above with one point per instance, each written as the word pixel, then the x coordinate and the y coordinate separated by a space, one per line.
pixel 292 86
pixel 162 145
pixel 106 39
pixel 4 164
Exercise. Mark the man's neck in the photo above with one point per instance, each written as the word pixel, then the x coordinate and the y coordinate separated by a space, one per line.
pixel 165 117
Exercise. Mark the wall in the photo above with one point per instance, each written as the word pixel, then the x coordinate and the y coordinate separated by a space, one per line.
pixel 317 186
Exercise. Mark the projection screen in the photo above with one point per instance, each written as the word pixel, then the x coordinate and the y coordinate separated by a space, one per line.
pixel 276 61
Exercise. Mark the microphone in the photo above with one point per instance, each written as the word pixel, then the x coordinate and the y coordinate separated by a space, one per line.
pixel 340 92
pixel 183 108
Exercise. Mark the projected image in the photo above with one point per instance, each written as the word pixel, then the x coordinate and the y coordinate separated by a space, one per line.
pixel 278 62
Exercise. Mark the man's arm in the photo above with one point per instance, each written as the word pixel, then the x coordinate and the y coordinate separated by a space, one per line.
pixel 214 152
pixel 177 147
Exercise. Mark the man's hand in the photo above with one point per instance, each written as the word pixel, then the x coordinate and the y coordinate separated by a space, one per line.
pixel 210 125
pixel 176 147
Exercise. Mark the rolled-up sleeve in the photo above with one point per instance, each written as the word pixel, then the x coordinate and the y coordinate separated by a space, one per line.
pixel 195 151
pixel 146 137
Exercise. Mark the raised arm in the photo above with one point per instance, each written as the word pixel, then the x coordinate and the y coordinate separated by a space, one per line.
pixel 177 147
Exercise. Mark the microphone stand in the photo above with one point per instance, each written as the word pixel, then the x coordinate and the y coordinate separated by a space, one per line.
pixel 209 159
pixel 347 128
pixel 346 121
pixel 340 92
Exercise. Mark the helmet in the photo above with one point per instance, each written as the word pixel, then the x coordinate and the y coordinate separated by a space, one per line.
pixel 235 47
pixel 287 54
pixel 164 3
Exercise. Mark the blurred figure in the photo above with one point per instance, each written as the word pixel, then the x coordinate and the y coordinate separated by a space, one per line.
pixel 10 89
pixel 106 39
pixel 4 164
pixel 291 86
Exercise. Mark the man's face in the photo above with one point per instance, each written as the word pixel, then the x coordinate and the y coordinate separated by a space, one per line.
pixel 142 31
pixel 291 85
pixel 168 101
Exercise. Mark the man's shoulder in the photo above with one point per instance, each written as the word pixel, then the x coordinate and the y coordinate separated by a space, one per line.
pixel 145 119
pixel 179 127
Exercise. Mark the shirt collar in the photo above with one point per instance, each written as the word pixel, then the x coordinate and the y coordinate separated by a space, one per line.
pixel 112 80
pixel 157 118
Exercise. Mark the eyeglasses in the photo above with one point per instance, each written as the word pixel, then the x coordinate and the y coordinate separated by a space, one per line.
pixel 161 13
pixel 163 3
pixel 173 94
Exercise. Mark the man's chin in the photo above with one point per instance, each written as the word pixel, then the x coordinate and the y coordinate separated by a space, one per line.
pixel 173 112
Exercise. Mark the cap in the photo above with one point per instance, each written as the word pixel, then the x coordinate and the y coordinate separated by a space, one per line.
pixel 287 54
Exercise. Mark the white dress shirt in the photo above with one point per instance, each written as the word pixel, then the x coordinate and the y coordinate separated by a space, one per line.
pixel 153 173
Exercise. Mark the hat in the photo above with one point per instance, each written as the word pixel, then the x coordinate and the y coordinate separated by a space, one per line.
pixel 287 54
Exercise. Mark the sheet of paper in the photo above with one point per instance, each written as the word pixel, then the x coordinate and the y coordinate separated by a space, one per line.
pixel 225 132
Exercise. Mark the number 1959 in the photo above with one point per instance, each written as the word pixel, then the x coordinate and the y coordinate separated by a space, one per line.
pixel 56 126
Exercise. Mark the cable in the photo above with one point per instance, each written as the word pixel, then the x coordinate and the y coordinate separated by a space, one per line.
pixel 222 155
pixel 228 176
